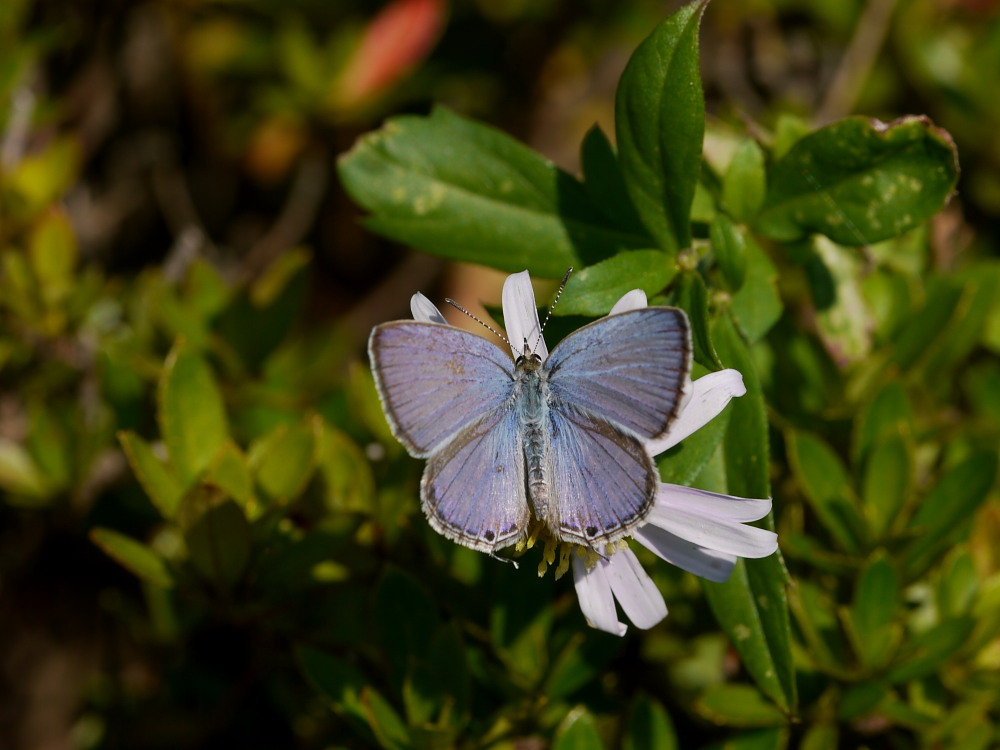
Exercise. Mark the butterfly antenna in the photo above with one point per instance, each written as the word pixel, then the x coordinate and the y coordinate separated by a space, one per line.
pixel 562 285
pixel 487 326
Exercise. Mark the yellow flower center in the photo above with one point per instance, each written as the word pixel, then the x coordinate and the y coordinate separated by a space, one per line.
pixel 553 548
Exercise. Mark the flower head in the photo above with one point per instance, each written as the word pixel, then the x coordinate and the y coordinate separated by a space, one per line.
pixel 698 531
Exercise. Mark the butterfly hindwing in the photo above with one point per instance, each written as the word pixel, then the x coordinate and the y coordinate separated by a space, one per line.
pixel 602 480
pixel 435 380
pixel 473 489
pixel 629 369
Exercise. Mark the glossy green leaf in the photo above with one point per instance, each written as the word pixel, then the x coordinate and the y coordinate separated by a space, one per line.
pixel 156 479
pixel 135 556
pixel 886 484
pixel 924 653
pixel 217 535
pixel 948 510
pixel 649 726
pixel 752 606
pixel 842 318
pixel 578 731
pixel 888 413
pixel 873 611
pixel 859 181
pixel 230 472
pixel 757 305
pixel 745 182
pixel 462 190
pixel 738 706
pixel 691 295
pixel 191 415
pixel 825 484
pixel 660 123
pixel 603 180
pixel 283 461
pixel 346 473
pixel 730 250
pixel 595 290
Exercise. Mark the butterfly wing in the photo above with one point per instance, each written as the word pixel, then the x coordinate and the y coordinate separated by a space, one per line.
pixel 612 384
pixel 629 369
pixel 602 480
pixel 473 489
pixel 448 397
pixel 435 380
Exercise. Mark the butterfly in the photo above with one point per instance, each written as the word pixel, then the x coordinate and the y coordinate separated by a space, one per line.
pixel 560 440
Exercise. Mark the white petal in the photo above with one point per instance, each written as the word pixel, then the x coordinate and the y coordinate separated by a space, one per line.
pixel 709 396
pixel 724 507
pixel 634 589
pixel 520 315
pixel 424 310
pixel 634 300
pixel 714 533
pixel 706 563
pixel 596 601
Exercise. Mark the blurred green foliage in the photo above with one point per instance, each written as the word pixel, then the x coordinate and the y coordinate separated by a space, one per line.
pixel 184 297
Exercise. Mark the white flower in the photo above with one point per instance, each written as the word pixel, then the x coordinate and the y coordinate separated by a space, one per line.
pixel 698 531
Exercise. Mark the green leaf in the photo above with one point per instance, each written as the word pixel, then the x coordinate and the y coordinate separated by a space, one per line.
pixel 347 689
pixel 578 663
pixel 595 290
pixel 649 726
pixel 345 470
pixel 230 472
pixel 19 473
pixel 660 124
pixel 217 535
pixel 826 486
pixel 752 606
pixel 842 317
pixel 886 483
pixel 948 510
pixel 603 180
pixel 461 190
pixel 745 183
pixel 578 731
pixel 757 305
pixel 691 295
pixel 859 181
pixel 730 250
pixel 135 556
pixel 156 479
pixel 407 619
pixel 284 459
pixel 53 253
pixel 738 706
pixel 820 737
pixel 873 611
pixel 682 463
pixel 191 415
pixel 925 652
pixel 887 414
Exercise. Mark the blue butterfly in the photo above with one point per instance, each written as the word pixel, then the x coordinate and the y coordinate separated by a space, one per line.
pixel 559 440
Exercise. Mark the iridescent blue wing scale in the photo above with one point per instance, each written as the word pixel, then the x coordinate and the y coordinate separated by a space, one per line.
pixel 473 490
pixel 435 380
pixel 602 480
pixel 628 369
pixel 612 385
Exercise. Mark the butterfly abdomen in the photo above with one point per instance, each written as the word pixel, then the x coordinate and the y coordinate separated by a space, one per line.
pixel 533 418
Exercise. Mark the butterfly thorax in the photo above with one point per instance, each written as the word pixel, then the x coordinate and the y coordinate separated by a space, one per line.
pixel 531 401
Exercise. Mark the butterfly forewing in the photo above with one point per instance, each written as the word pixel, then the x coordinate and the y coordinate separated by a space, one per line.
pixel 628 369
pixel 473 489
pixel 435 380
pixel 602 480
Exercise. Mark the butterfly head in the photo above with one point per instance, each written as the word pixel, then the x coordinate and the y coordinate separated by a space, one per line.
pixel 529 360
